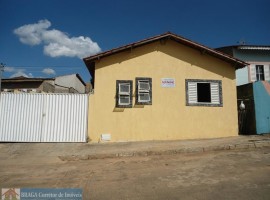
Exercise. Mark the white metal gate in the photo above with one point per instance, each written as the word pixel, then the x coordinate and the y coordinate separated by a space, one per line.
pixel 29 117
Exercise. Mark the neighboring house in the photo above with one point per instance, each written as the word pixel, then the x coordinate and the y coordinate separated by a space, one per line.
pixel 258 58
pixel 256 98
pixel 253 87
pixel 62 84
pixel 23 84
pixel 162 88
pixel 72 83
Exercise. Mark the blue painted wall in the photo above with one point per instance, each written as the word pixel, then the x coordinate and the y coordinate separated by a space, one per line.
pixel 262 108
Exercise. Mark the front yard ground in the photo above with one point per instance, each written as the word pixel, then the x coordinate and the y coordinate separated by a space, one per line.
pixel 233 174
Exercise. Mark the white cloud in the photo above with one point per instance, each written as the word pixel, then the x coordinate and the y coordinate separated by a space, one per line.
pixel 17 72
pixel 32 33
pixel 56 43
pixel 9 69
pixel 48 71
pixel 20 72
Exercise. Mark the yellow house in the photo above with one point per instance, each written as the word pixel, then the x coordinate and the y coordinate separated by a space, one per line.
pixel 162 88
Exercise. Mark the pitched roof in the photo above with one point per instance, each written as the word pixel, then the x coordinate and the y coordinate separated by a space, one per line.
pixel 25 79
pixel 236 62
pixel 229 49
pixel 77 75
pixel 254 47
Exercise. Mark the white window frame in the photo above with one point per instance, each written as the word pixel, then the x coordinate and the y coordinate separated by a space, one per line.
pixel 143 101
pixel 140 91
pixel 124 93
pixel 253 71
pixel 121 103
pixel 143 91
pixel 258 73
pixel 215 93
pixel 121 94
pixel 143 81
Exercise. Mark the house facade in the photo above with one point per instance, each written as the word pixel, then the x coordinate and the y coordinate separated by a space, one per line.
pixel 28 85
pixel 258 59
pixel 162 88
pixel 253 86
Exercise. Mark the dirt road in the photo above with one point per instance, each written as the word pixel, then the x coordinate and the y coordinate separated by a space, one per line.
pixel 214 175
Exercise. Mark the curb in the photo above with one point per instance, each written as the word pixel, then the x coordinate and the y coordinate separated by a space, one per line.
pixel 251 145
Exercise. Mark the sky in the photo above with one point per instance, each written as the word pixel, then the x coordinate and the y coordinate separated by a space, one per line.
pixel 48 38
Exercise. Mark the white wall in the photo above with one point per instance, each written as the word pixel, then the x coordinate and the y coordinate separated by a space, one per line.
pixel 242 76
pixel 70 81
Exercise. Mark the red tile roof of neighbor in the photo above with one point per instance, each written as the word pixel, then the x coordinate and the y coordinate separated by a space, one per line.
pixel 234 61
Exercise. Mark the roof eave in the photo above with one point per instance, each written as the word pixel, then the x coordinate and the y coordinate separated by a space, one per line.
pixel 27 80
pixel 235 62
pixel 123 48
pixel 80 78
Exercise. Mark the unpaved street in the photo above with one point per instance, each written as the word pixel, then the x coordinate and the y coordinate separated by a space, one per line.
pixel 213 175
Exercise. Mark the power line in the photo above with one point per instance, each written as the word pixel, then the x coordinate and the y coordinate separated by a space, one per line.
pixel 58 68
pixel 28 69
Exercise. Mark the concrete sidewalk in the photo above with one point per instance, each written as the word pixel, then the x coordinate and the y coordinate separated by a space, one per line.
pixel 125 149
pixel 87 151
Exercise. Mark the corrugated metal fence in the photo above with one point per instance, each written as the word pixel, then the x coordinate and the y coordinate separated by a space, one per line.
pixel 28 117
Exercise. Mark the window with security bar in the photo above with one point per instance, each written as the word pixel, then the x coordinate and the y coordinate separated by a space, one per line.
pixel 144 91
pixel 124 93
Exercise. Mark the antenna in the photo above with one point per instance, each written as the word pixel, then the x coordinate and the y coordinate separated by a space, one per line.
pixel 242 41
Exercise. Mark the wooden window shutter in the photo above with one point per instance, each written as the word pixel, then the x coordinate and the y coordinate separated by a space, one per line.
pixel 252 73
pixel 201 92
pixel 215 93
pixel 192 92
pixel 267 72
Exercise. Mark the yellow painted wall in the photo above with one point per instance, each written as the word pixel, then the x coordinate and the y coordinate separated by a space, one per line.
pixel 168 118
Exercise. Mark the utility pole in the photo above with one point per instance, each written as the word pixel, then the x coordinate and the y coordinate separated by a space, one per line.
pixel 1 70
